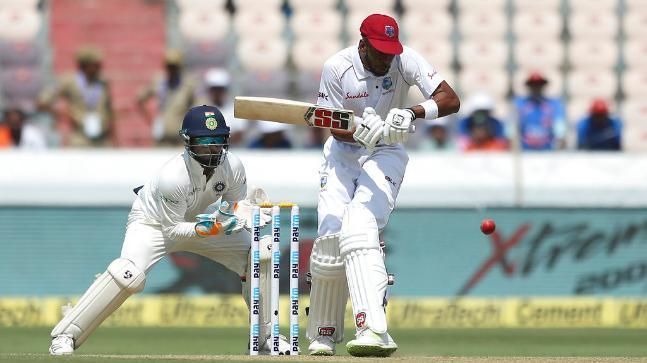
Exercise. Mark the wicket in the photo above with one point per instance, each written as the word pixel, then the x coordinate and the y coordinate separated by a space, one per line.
pixel 254 331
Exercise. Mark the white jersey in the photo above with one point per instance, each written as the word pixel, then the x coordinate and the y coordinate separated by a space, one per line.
pixel 346 84
pixel 179 191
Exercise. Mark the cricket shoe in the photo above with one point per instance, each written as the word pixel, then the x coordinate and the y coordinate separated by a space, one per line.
pixel 370 344
pixel 322 345
pixel 62 345
pixel 284 346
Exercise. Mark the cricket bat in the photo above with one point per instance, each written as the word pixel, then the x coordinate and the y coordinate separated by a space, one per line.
pixel 292 112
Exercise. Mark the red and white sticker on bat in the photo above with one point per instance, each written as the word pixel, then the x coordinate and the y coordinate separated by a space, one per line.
pixel 329 118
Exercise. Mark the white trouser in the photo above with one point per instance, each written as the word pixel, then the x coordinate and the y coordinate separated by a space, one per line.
pixel 145 244
pixel 351 173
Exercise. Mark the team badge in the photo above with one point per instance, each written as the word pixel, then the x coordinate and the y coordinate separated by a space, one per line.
pixel 219 187
pixel 389 31
pixel 211 122
pixel 387 83
pixel 360 319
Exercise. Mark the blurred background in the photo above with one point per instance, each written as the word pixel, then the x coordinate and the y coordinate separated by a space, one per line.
pixel 549 142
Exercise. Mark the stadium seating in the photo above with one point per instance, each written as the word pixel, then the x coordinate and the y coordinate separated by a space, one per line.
pixel 19 24
pixel 438 52
pixel 195 24
pixel 593 25
pixel 428 25
pixel 538 54
pixel 593 54
pixel 259 23
pixel 531 24
pixel 537 6
pixel 484 24
pixel 13 54
pixel 317 25
pixel 592 83
pixel 479 6
pixel 370 6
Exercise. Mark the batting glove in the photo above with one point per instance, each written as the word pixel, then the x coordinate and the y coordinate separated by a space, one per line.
pixel 396 125
pixel 369 131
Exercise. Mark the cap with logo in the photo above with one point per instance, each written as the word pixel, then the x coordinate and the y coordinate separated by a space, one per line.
pixel 382 33
pixel 204 121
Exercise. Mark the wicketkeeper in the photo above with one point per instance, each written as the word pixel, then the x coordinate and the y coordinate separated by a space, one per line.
pixel 195 202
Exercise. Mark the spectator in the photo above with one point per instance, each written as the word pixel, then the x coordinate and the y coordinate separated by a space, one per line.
pixel 437 136
pixel 541 120
pixel 16 132
pixel 272 136
pixel 217 82
pixel 87 94
pixel 480 130
pixel 175 94
pixel 598 130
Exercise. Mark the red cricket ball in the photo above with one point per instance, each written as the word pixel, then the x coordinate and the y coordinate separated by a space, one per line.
pixel 488 226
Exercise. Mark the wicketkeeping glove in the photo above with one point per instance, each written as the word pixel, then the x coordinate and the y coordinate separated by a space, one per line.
pixel 396 125
pixel 369 130
pixel 222 221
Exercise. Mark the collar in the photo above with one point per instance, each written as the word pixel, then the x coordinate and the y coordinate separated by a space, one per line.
pixel 362 73
pixel 196 171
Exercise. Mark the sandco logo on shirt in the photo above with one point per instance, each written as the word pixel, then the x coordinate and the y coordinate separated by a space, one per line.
pixel 359 95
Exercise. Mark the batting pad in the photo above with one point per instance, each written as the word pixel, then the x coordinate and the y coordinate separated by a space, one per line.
pixel 367 278
pixel 104 296
pixel 328 292
pixel 265 249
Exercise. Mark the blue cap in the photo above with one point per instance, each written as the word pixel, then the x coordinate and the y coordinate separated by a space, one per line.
pixel 204 121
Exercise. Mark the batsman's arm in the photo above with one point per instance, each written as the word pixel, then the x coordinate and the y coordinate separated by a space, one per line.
pixel 446 100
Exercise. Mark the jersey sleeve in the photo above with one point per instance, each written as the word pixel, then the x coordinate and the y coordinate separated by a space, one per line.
pixel 416 70
pixel 330 89
pixel 238 189
pixel 172 207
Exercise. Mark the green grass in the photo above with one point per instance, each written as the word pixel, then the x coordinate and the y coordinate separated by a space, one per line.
pixel 30 344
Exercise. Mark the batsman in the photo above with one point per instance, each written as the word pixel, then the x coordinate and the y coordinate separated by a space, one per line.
pixel 195 202
pixel 361 174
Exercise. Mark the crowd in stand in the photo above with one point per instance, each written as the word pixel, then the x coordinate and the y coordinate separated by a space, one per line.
pixel 83 97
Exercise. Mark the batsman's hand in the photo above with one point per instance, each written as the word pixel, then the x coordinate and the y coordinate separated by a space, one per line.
pixel 397 125
pixel 222 221
pixel 370 129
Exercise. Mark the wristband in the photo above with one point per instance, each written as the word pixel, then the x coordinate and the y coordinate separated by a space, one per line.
pixel 431 109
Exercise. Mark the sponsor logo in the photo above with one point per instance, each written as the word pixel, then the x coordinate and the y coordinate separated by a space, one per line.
pixel 219 186
pixel 387 82
pixel 389 31
pixel 323 181
pixel 360 319
pixel 359 95
pixel 326 331
pixel 128 274
pixel 431 75
pixel 327 118
pixel 323 95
